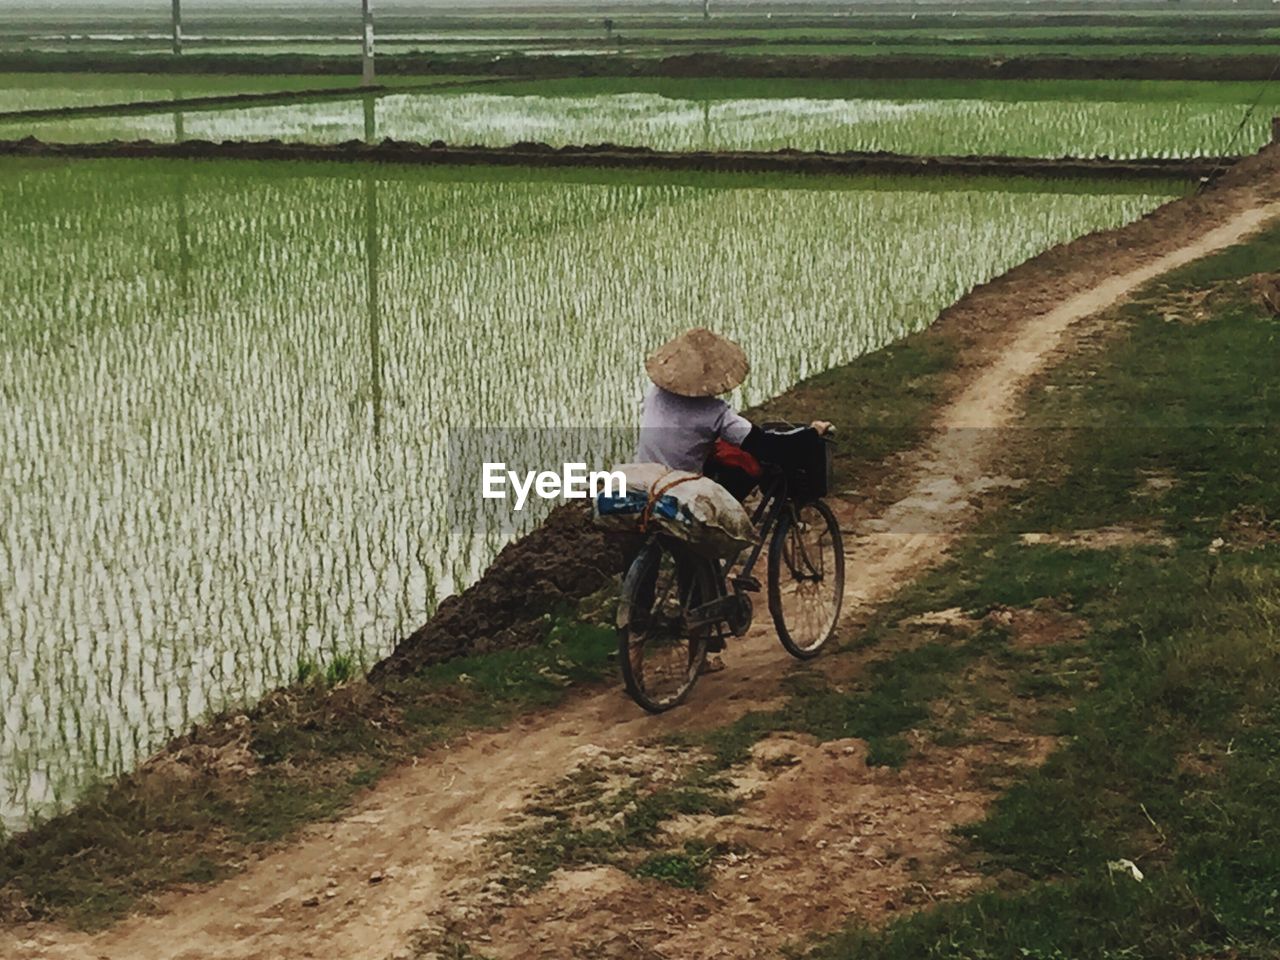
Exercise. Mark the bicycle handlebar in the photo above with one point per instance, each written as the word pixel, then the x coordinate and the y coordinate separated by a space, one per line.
pixel 784 426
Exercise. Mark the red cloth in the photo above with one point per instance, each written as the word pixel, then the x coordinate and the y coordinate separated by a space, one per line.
pixel 726 454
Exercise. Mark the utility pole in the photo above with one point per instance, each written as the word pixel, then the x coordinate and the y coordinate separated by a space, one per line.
pixel 177 26
pixel 366 71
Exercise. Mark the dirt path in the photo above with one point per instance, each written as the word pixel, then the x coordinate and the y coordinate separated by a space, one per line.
pixel 361 886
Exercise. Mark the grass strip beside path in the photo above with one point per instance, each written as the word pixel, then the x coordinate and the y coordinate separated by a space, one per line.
pixel 1169 726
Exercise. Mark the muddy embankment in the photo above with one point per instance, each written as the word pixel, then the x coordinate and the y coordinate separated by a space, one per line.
pixel 712 65
pixel 608 155
pixel 550 569
pixel 567 560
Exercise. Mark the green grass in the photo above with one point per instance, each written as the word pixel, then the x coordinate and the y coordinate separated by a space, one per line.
pixel 1119 119
pixel 891 696
pixel 410 44
pixel 1168 754
pixel 409 175
pixel 882 401
pixel 687 868
pixel 314 757
pixel 577 822
pixel 948 126
pixel 339 669
pixel 165 261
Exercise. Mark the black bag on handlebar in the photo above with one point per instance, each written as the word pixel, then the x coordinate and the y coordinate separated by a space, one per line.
pixel 809 466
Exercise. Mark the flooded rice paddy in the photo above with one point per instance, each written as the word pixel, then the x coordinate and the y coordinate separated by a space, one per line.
pixel 928 127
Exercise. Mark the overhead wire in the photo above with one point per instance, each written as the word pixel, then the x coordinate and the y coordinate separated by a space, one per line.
pixel 1244 121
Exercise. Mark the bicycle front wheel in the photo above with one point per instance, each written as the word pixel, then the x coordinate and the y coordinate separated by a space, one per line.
pixel 660 658
pixel 806 578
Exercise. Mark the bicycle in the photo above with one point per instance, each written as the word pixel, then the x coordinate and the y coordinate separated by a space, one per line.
pixel 675 601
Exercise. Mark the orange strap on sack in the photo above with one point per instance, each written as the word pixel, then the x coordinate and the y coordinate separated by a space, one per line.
pixel 656 493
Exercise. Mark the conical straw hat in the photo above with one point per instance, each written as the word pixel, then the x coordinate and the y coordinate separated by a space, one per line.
pixel 698 363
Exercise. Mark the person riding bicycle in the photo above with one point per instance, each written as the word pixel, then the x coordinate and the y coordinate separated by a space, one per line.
pixel 685 425
pixel 682 415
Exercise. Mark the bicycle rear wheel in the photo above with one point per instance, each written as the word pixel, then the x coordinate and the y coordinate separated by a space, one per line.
pixel 806 578
pixel 660 659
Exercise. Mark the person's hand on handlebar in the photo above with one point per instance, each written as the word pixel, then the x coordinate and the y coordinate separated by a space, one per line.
pixel 823 427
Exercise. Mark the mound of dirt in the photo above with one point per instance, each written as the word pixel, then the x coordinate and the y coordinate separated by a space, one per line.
pixel 224 755
pixel 562 561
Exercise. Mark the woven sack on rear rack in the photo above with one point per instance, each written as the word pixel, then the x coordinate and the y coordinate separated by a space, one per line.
pixel 688 506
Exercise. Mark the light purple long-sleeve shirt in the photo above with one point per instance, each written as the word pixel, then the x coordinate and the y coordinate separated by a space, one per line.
pixel 681 432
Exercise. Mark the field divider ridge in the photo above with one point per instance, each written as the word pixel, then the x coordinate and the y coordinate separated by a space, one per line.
pixel 223 100
pixel 612 156
pixel 190 103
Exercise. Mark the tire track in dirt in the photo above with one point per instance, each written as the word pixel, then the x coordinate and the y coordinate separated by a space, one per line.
pixel 360 886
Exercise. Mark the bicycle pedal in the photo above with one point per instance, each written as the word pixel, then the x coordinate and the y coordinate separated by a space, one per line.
pixel 747 583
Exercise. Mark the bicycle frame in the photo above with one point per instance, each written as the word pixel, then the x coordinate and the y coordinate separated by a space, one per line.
pixel 721 610
pixel 773 500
